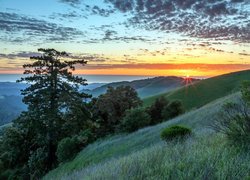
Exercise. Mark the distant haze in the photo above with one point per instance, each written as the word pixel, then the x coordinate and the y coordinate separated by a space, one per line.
pixel 90 78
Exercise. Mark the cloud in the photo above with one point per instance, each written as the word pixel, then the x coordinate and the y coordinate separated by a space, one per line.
pixel 68 16
pixel 244 54
pixel 22 54
pixel 91 58
pixel 165 66
pixel 97 58
pixel 217 19
pixel 25 27
pixel 72 3
pixel 96 10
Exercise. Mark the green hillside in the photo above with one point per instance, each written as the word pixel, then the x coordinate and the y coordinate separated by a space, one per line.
pixel 143 154
pixel 145 87
pixel 205 91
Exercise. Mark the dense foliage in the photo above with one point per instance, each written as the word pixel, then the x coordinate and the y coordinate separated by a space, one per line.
pixel 172 110
pixel 68 147
pixel 156 109
pixel 109 108
pixel 174 132
pixel 234 120
pixel 134 120
pixel 162 110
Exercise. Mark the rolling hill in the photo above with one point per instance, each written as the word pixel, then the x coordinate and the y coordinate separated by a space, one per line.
pixel 10 107
pixel 143 154
pixel 11 104
pixel 145 87
pixel 205 91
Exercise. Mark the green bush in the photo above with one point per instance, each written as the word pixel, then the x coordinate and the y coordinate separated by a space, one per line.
pixel 134 120
pixel 172 110
pixel 155 111
pixel 67 149
pixel 173 132
pixel 234 122
pixel 234 119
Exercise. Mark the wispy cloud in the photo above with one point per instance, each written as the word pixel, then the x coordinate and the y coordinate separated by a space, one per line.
pixel 25 27
pixel 164 66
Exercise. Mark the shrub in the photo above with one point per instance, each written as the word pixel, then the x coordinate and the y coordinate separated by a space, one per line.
pixel 234 122
pixel 134 120
pixel 67 149
pixel 173 109
pixel 156 109
pixel 173 132
pixel 234 119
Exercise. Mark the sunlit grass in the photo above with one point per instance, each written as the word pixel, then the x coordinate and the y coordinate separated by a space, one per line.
pixel 196 158
pixel 205 91
pixel 124 145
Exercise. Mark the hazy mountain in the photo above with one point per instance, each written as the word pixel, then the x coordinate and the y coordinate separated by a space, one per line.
pixel 11 104
pixel 146 87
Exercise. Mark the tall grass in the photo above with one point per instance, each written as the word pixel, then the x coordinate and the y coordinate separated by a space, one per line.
pixel 196 158
pixel 124 145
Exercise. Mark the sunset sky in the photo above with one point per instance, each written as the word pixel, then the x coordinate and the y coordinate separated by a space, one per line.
pixel 130 37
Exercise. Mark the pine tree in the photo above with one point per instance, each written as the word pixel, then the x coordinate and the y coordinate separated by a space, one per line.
pixel 52 95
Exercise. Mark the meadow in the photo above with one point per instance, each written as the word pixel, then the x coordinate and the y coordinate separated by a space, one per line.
pixel 143 155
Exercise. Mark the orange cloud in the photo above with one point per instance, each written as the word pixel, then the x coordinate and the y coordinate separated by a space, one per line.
pixel 194 69
pixel 163 69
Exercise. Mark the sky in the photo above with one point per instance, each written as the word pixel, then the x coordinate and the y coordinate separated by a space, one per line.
pixel 129 37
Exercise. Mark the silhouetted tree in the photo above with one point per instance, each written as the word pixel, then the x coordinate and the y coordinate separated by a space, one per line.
pixel 156 109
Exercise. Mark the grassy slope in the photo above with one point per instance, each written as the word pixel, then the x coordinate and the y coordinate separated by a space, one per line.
pixel 203 157
pixel 123 146
pixel 205 91
pixel 145 87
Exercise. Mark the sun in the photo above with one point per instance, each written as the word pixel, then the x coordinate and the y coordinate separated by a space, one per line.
pixel 187 80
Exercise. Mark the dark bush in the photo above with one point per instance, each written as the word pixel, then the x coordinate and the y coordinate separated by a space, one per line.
pixel 67 149
pixel 234 122
pixel 156 109
pixel 234 119
pixel 172 110
pixel 70 146
pixel 37 163
pixel 134 120
pixel 176 131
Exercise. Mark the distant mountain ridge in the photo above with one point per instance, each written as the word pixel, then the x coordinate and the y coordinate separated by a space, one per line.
pixel 146 87
pixel 11 104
